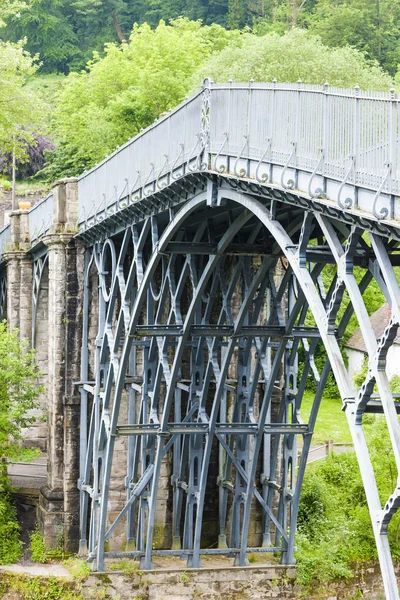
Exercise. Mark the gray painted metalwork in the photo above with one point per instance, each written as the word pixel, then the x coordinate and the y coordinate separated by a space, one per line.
pixel 211 239
pixel 40 263
pixel 3 294
pixel 5 235
pixel 41 218
pixel 206 303
pixel 334 145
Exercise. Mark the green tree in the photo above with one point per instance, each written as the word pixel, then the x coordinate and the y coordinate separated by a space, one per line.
pixel 370 26
pixel 127 89
pixel 18 394
pixel 49 31
pixel 10 8
pixel 334 524
pixel 19 110
pixel 294 55
pixel 102 11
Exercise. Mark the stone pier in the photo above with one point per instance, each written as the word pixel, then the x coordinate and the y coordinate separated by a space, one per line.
pixel 51 321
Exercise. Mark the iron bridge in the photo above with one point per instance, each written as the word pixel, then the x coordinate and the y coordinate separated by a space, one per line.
pixel 227 248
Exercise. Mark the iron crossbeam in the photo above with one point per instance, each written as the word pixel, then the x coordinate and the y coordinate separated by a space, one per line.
pixel 227 331
pixel 314 253
pixel 204 428
pixel 185 553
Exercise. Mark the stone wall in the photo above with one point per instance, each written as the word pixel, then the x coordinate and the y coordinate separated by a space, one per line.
pixel 231 583
pixel 57 339
pixel 238 583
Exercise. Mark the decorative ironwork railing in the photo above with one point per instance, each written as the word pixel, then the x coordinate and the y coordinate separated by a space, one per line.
pixel 5 235
pixel 326 142
pixel 41 218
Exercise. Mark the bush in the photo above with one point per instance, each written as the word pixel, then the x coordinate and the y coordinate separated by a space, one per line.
pixel 18 394
pixel 334 524
pixel 38 550
pixel 10 544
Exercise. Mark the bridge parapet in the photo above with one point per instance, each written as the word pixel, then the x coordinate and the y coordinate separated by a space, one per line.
pixel 5 234
pixel 41 218
pixel 334 145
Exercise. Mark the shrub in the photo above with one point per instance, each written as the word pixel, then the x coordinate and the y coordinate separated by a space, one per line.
pixel 18 393
pixel 334 524
pixel 38 550
pixel 10 544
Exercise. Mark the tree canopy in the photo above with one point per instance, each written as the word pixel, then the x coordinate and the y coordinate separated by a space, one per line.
pixel 126 90
pixel 19 111
pixel 102 107
pixel 144 68
pixel 66 32
pixel 295 55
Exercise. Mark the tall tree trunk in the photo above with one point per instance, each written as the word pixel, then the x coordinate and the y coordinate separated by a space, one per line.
pixel 118 29
pixel 379 27
pixel 294 13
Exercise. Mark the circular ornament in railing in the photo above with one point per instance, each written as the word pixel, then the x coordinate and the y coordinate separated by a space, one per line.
pixel 108 266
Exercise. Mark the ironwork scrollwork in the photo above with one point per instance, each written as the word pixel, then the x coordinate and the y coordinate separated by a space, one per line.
pixel 39 266
pixel 3 295
pixel 383 213
pixel 165 183
pixel 264 177
pixel 180 173
pixel 222 168
pixel 206 113
pixel 347 202
pixel 126 187
pixel 318 192
pixel 242 172
pixel 289 185
pixel 192 157
pixel 149 191
pixel 136 186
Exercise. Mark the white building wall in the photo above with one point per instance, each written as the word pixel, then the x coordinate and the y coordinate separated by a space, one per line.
pixel 356 359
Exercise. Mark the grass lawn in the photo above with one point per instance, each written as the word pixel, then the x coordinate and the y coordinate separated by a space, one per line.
pixel 331 421
pixel 27 186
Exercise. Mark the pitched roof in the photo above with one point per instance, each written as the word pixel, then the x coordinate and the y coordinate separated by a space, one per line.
pixel 379 319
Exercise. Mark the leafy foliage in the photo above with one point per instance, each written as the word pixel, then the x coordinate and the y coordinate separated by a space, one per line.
pixel 38 550
pixel 127 89
pixel 50 33
pixel 18 393
pixel 334 526
pixel 19 110
pixel 36 588
pixel 295 55
pixel 10 544
pixel 100 108
pixel 66 33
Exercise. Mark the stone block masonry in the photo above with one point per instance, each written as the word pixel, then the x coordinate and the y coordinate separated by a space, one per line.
pixel 56 335
pixel 256 582
pixel 247 583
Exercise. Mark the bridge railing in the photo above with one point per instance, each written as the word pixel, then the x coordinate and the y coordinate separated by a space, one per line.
pixel 5 236
pixel 334 131
pixel 145 164
pixel 41 218
pixel 261 131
